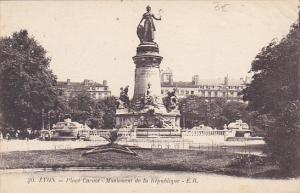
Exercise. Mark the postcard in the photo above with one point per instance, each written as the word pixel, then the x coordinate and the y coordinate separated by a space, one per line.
pixel 150 96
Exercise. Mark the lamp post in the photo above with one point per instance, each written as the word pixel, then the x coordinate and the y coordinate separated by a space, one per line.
pixel 49 119
pixel 298 60
pixel 43 124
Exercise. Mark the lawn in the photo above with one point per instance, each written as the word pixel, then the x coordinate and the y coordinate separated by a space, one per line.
pixel 148 159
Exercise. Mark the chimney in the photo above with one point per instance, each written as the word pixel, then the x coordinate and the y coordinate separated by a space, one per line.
pixel 104 82
pixel 226 80
pixel 68 81
pixel 85 82
pixel 195 80
pixel 171 79
pixel 166 76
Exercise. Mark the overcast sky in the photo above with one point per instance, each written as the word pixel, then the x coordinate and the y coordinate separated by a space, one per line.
pixel 97 39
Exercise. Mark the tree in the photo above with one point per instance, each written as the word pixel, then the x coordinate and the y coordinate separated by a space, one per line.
pixel 275 80
pixel 283 139
pixel 193 110
pixel 61 110
pixel 235 110
pixel 214 113
pixel 274 93
pixel 84 110
pixel 95 113
pixel 108 106
pixel 26 82
pixel 215 116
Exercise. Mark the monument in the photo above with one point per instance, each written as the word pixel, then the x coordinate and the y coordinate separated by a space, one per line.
pixel 147 109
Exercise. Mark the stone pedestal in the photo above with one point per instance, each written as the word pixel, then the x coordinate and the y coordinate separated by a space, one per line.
pixel 147 80
pixel 147 61
pixel 126 118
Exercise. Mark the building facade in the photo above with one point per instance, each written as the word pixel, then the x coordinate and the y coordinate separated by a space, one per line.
pixel 229 89
pixel 69 89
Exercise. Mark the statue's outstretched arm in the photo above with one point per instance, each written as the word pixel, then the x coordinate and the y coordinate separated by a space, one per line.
pixel 156 18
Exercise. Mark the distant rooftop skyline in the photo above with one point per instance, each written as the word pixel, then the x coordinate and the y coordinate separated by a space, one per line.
pixel 96 40
pixel 208 81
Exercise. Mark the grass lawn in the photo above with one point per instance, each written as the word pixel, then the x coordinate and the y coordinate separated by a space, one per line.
pixel 150 159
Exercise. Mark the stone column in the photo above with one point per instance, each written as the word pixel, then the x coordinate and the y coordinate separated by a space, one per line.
pixel 147 70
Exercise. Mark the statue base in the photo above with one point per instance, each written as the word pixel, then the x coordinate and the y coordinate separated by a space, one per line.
pixel 148 117
pixel 147 112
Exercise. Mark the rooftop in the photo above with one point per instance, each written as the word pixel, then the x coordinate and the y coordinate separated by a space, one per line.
pixel 85 83
pixel 205 82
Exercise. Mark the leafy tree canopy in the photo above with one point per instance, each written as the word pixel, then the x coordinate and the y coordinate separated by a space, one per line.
pixel 215 113
pixel 26 82
pixel 95 113
pixel 274 93
pixel 275 81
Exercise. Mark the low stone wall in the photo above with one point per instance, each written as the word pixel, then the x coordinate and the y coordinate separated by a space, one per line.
pixel 23 145
pixel 188 144
pixel 155 143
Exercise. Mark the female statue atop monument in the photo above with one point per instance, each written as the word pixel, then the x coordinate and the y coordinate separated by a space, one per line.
pixel 146 32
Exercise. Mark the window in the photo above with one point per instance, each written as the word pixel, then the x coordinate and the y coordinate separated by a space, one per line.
pixel 187 92
pixel 162 92
pixel 192 92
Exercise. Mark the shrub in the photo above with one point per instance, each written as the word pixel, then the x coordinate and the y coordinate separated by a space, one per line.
pixel 283 140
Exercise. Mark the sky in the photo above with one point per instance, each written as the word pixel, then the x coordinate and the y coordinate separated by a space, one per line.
pixel 96 40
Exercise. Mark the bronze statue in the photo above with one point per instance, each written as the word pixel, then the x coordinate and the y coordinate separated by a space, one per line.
pixel 146 32
pixel 171 100
pixel 142 122
pixel 148 97
pixel 124 99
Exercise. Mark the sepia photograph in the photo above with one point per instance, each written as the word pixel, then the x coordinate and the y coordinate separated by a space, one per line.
pixel 150 96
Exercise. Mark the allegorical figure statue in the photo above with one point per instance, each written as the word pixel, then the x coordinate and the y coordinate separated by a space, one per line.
pixel 124 99
pixel 171 100
pixel 146 32
pixel 148 96
pixel 149 99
